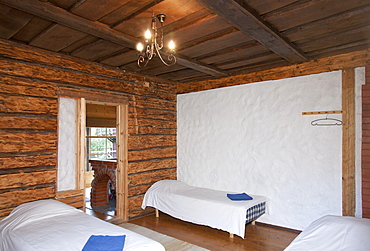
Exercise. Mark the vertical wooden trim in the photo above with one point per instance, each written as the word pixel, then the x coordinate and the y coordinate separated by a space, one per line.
pixel 81 146
pixel 348 143
pixel 122 162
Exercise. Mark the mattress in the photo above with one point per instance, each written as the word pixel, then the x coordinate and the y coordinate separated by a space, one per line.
pixel 53 225
pixel 334 233
pixel 203 206
pixel 255 212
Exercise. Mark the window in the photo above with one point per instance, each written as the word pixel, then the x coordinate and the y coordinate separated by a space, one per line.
pixel 101 143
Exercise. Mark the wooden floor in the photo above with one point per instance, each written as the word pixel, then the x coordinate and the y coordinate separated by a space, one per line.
pixel 258 237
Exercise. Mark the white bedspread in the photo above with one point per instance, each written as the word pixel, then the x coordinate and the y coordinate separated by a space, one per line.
pixel 50 225
pixel 334 233
pixel 200 205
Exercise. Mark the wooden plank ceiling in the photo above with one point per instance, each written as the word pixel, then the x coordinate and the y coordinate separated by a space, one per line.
pixel 214 38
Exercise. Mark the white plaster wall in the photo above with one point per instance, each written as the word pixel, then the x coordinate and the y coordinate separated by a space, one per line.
pixel 359 81
pixel 67 144
pixel 253 138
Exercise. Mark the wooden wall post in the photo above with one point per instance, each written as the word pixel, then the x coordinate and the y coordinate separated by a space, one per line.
pixel 348 143
pixel 122 161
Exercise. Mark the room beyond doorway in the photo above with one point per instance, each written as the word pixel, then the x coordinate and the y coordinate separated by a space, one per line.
pixel 101 158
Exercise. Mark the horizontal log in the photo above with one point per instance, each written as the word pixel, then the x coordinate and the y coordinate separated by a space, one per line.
pixel 143 166
pixel 69 193
pixel 27 87
pixel 134 203
pixel 138 112
pixel 76 200
pixel 162 86
pixel 152 123
pixel 333 63
pixel 136 130
pixel 151 177
pixel 27 142
pixel 152 102
pixel 5 212
pixel 27 161
pixel 16 197
pixel 156 153
pixel 34 123
pixel 148 141
pixel 18 180
pixel 24 104
pixel 138 190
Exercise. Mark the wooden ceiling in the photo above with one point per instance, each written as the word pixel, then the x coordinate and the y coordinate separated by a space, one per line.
pixel 214 38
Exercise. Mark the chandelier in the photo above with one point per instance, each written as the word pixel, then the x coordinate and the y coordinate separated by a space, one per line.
pixel 154 44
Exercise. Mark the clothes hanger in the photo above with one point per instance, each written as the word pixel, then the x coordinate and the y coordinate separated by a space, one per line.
pixel 326 122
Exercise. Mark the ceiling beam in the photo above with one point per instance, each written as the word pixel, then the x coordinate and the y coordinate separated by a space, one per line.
pixel 63 17
pixel 243 17
pixel 196 65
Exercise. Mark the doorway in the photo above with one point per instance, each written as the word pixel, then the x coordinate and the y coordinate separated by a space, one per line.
pixel 101 160
pixel 84 97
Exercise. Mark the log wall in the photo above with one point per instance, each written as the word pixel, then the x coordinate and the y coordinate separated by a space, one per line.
pixel 29 84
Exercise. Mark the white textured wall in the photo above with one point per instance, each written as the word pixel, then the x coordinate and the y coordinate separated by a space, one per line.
pixel 254 138
pixel 67 144
pixel 359 80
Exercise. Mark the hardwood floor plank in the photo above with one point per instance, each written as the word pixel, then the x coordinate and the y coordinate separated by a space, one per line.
pixel 258 237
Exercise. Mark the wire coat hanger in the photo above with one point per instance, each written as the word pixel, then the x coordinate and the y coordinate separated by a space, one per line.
pixel 326 122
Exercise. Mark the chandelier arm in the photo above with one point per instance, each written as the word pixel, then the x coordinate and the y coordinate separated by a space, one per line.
pixel 150 51
pixel 141 62
pixel 170 57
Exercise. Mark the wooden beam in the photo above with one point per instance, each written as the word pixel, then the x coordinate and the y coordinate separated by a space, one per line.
pixel 243 17
pixel 348 143
pixel 63 17
pixel 196 65
pixel 333 63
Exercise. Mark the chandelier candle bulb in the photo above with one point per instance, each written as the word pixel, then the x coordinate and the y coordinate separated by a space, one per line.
pixel 171 45
pixel 140 47
pixel 148 34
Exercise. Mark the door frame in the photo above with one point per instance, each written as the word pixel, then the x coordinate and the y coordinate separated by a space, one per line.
pixel 121 103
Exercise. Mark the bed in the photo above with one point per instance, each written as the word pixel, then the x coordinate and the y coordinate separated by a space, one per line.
pixel 334 233
pixel 53 225
pixel 204 206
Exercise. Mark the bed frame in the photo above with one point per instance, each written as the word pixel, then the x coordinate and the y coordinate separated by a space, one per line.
pixel 178 200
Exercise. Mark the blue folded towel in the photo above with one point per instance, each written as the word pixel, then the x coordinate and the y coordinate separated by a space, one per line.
pixel 105 243
pixel 239 196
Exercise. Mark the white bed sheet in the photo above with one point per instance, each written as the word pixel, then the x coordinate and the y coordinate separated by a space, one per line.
pixel 52 225
pixel 334 233
pixel 200 205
